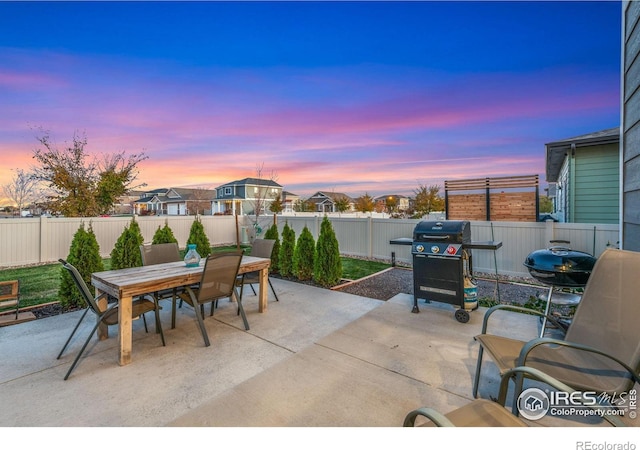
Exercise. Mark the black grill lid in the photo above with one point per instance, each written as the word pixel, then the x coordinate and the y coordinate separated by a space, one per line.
pixel 560 266
pixel 458 231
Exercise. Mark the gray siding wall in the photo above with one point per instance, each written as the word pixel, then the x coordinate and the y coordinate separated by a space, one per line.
pixel 631 126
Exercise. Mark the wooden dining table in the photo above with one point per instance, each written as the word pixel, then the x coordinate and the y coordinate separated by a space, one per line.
pixel 125 284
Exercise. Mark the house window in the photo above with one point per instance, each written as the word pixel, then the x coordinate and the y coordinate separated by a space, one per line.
pixel 227 191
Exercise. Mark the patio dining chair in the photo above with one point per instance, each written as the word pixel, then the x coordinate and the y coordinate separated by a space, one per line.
pixel 486 413
pixel 218 281
pixel 107 317
pixel 159 254
pixel 600 351
pixel 261 248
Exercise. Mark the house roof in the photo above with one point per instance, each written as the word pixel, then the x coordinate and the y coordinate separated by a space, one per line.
pixel 396 196
pixel 251 181
pixel 333 196
pixel 556 151
pixel 184 194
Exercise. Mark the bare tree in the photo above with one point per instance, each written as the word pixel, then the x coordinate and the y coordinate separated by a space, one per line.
pixel 201 201
pixel 23 189
pixel 263 195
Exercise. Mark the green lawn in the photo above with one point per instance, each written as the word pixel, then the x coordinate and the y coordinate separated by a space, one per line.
pixel 39 284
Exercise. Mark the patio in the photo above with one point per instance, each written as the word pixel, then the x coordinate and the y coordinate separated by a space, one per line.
pixel 316 358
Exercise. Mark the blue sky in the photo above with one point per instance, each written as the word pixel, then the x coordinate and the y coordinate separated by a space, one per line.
pixel 355 97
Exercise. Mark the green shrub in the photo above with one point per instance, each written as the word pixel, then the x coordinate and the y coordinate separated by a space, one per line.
pixel 285 257
pixel 303 255
pixel 126 252
pixel 84 255
pixel 199 237
pixel 164 235
pixel 272 233
pixel 327 269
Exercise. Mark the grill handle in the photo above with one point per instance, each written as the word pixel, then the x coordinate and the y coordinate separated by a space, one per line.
pixel 439 237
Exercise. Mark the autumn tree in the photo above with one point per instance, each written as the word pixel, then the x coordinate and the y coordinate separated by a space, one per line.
pixel 276 205
pixel 546 204
pixel 302 205
pixel 365 203
pixel 391 204
pixel 84 186
pixel 342 204
pixel 23 189
pixel 427 200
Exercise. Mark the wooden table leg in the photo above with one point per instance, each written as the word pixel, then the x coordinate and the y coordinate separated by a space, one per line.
pixel 124 329
pixel 103 330
pixel 264 291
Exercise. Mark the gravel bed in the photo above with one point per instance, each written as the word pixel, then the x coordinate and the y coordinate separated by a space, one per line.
pixel 395 281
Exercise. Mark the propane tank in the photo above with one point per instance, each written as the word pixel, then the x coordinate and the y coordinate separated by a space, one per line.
pixel 470 286
pixel 470 294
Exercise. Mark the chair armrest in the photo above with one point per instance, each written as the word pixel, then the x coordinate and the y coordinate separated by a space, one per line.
pixel 436 417
pixel 521 309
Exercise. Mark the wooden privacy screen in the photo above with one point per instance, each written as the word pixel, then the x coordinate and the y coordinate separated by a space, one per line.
pixel 519 204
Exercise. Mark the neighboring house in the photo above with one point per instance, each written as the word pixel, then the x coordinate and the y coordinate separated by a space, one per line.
pixel 325 202
pixel 126 203
pixel 175 202
pixel 401 202
pixel 245 196
pixel 288 201
pixel 585 171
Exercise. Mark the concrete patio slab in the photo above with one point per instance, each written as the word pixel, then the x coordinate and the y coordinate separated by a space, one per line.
pixel 316 358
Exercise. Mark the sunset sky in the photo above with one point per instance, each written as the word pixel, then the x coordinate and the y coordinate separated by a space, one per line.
pixel 354 97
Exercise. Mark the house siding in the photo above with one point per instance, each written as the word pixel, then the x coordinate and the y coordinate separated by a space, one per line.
pixel 597 185
pixel 631 126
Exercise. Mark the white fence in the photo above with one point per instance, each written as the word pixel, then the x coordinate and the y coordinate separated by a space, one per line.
pixel 369 238
pixel 37 240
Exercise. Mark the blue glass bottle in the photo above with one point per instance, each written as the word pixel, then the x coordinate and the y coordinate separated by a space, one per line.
pixel 192 258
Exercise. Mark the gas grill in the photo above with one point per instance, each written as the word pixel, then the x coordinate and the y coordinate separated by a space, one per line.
pixel 442 269
pixel 441 263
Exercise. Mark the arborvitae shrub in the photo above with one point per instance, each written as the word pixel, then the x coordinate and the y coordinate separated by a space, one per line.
pixel 164 235
pixel 327 264
pixel 286 251
pixel 303 255
pixel 272 233
pixel 199 237
pixel 84 254
pixel 126 252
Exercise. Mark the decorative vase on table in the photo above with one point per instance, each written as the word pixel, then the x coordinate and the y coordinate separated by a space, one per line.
pixel 192 258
